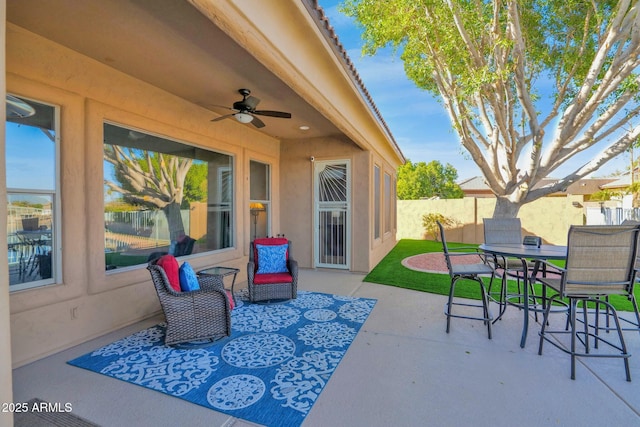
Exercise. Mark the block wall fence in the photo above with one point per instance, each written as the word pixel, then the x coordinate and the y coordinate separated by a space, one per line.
pixel 548 217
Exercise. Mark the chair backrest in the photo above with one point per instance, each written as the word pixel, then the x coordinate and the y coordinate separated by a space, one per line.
pixel 502 231
pixel 184 247
pixel 268 241
pixel 30 224
pixel 160 281
pixel 445 248
pixel 601 255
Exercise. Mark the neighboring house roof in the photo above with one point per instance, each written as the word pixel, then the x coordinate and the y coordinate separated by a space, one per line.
pixel 586 186
pixel 475 183
pixel 622 182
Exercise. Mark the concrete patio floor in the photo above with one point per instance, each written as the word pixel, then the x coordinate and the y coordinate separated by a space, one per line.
pixel 401 370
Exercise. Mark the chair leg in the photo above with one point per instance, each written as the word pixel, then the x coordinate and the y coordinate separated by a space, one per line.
pixel 573 307
pixel 485 306
pixel 634 303
pixel 586 327
pixel 623 345
pixel 545 324
pixel 503 298
pixel 486 316
pixel 450 302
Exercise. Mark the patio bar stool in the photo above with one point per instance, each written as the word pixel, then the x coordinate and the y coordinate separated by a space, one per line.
pixel 600 262
pixel 469 272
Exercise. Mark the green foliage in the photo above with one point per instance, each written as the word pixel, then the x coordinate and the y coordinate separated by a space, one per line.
pixel 430 223
pixel 119 205
pixel 25 204
pixel 422 180
pixel 527 84
pixel 195 183
pixel 633 188
pixel 603 195
pixel 426 33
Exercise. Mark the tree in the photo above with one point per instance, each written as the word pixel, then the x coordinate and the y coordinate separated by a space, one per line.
pixel 150 179
pixel 421 180
pixel 489 61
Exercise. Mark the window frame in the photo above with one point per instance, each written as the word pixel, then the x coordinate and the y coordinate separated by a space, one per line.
pixel 265 202
pixel 56 211
pixel 229 197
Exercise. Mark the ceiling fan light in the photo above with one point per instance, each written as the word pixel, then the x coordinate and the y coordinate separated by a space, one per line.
pixel 243 117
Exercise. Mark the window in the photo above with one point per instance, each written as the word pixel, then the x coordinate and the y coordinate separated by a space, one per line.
pixel 163 196
pixel 259 204
pixel 32 193
pixel 376 202
pixel 387 203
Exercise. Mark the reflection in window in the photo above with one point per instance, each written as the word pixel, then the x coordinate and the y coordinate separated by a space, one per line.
pixel 162 196
pixel 31 193
pixel 260 199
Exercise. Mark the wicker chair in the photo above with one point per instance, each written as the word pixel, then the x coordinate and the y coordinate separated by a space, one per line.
pixel 271 286
pixel 469 272
pixel 204 314
pixel 600 262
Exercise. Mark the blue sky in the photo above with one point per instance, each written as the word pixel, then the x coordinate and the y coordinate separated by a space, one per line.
pixel 418 122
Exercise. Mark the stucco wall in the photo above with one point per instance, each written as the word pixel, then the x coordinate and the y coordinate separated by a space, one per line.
pixel 549 217
pixel 89 301
pixel 297 197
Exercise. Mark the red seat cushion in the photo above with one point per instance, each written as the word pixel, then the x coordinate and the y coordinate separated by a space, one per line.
pixel 267 279
pixel 169 264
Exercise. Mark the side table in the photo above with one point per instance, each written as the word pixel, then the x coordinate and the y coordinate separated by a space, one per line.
pixel 222 272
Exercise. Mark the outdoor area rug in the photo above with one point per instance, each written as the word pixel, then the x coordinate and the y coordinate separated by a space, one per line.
pixel 269 371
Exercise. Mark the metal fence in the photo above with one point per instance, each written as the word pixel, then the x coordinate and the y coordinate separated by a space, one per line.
pixel 615 216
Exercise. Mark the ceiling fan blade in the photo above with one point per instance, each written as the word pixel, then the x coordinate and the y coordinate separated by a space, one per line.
pixel 269 113
pixel 217 119
pixel 257 122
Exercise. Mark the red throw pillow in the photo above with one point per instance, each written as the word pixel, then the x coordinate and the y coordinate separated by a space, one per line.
pixel 230 297
pixel 169 264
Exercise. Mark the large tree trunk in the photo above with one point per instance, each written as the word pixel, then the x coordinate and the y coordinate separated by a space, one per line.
pixel 506 208
pixel 174 219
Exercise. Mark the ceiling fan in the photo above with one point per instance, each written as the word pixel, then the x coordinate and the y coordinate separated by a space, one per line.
pixel 246 110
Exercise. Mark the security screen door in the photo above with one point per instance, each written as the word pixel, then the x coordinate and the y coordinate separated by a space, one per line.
pixel 333 213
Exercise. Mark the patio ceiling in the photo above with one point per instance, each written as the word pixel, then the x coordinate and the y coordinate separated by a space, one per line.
pixel 171 45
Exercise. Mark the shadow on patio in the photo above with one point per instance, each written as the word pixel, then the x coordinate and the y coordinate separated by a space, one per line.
pixel 402 369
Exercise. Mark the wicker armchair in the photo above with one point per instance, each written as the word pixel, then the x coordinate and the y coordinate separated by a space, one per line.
pixel 600 262
pixel 204 314
pixel 271 286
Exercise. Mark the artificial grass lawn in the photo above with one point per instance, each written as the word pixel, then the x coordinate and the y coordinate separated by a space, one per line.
pixel 390 271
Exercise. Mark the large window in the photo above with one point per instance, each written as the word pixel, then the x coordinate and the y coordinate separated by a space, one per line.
pixel 260 203
pixel 163 196
pixel 32 193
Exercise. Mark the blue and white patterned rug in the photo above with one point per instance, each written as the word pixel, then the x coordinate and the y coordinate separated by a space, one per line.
pixel 269 371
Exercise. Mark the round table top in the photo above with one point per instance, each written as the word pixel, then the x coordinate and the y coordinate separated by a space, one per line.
pixel 526 251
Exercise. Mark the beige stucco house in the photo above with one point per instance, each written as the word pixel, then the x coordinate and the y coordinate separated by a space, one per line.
pixel 148 76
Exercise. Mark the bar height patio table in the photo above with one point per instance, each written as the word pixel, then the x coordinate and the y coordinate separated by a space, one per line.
pixel 526 252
